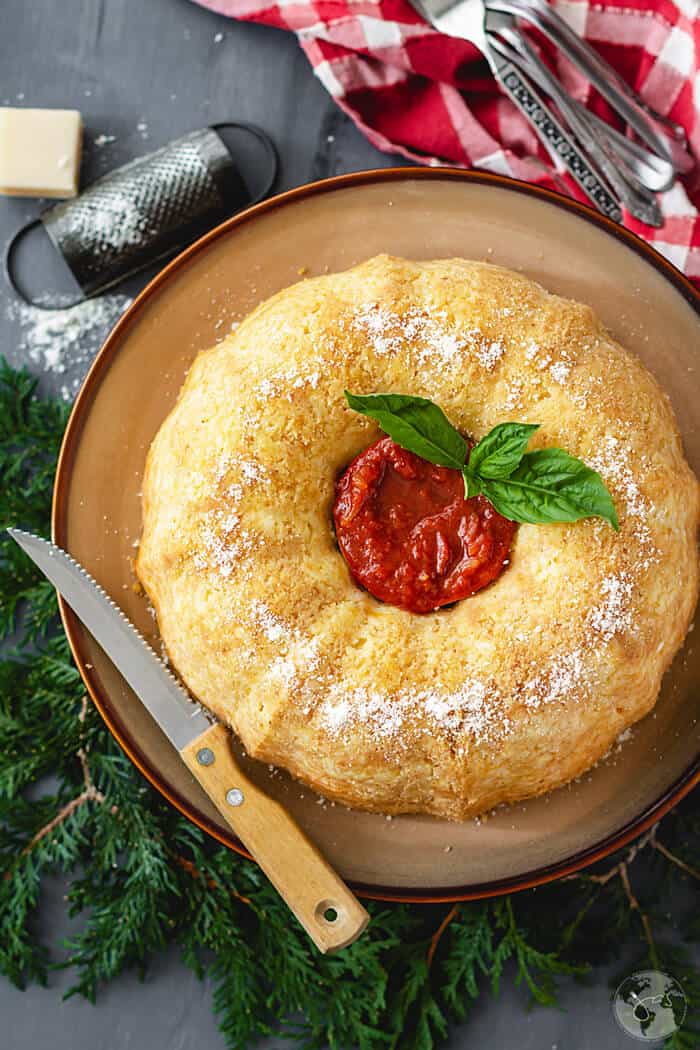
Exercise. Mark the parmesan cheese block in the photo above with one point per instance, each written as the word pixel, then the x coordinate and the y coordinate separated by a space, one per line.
pixel 40 152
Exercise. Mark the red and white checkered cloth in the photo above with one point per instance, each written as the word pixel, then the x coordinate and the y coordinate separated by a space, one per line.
pixel 430 98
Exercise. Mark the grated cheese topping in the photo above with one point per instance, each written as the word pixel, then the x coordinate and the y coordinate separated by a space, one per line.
pixel 429 337
pixel 476 709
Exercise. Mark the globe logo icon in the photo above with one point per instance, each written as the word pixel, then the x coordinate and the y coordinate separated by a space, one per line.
pixel 649 1005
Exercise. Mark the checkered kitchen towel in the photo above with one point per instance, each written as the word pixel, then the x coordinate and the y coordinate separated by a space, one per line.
pixel 429 97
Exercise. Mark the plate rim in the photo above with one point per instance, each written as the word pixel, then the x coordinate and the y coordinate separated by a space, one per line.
pixel 71 438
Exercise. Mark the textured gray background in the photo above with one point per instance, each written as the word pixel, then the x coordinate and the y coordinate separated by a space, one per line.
pixel 126 63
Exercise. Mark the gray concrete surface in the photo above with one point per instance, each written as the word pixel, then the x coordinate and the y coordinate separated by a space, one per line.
pixel 145 72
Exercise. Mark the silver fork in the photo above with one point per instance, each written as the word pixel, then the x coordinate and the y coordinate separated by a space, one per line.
pixel 625 184
pixel 466 19
pixel 646 168
pixel 663 136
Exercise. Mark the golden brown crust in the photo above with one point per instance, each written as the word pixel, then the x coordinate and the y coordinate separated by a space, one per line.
pixel 507 694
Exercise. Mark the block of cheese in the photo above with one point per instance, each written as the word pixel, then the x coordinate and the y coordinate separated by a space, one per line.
pixel 40 152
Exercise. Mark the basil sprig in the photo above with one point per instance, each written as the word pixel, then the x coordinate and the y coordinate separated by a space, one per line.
pixel 540 487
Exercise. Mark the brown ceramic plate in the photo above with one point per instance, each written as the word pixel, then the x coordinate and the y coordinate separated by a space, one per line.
pixel 329 226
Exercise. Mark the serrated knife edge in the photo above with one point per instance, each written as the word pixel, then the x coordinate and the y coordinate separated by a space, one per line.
pixel 179 716
pixel 309 885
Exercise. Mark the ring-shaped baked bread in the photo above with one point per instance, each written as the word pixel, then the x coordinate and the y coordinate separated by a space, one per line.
pixel 505 695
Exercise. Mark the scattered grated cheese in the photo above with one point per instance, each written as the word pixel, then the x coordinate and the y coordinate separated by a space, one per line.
pixel 514 395
pixel 531 350
pixel 624 737
pixel 224 544
pixel 560 371
pixel 65 341
pixel 613 615
pixel 272 626
pixel 426 337
pixel 283 383
pixel 490 354
pixel 612 461
pixel 566 674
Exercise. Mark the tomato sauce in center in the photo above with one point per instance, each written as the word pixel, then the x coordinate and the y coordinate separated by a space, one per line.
pixel 408 534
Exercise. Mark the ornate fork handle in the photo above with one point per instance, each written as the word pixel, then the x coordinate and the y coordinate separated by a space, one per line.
pixel 554 137
pixel 661 135
pixel 638 201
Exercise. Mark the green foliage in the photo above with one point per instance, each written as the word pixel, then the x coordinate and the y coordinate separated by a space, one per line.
pixel 547 485
pixel 537 969
pixel 415 423
pixel 142 877
pixel 30 433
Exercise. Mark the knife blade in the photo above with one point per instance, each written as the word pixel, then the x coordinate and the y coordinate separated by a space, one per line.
pixel 323 904
pixel 180 718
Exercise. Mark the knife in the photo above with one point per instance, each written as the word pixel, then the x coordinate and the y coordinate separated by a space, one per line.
pixel 329 912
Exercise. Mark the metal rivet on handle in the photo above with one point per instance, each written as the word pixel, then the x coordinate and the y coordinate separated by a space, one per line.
pixel 235 797
pixel 205 756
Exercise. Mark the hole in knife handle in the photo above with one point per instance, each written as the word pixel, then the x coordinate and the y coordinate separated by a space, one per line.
pixel 328 911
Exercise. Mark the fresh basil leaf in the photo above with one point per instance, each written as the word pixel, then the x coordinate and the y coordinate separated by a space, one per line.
pixel 539 487
pixel 549 485
pixel 471 483
pixel 500 451
pixel 416 424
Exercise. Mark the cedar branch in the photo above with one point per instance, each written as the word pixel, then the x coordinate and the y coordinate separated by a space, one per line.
pixel 621 871
pixel 194 871
pixel 89 794
pixel 634 905
pixel 666 852
pixel 435 939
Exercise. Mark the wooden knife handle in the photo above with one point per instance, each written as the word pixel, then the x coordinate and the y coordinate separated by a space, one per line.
pixel 331 915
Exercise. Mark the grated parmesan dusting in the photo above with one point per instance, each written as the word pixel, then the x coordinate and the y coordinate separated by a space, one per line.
pixel 271 626
pixel 471 708
pixel 301 657
pixel 428 337
pixel 566 673
pixel 531 350
pixel 559 370
pixel 253 471
pixel 612 461
pixel 65 341
pixel 613 615
pixel 514 395
pixel 284 383
pixel 490 354
pixel 224 543
pixel 474 708
pixel 623 738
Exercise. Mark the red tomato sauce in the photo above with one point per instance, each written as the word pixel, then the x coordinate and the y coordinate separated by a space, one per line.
pixel 408 534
